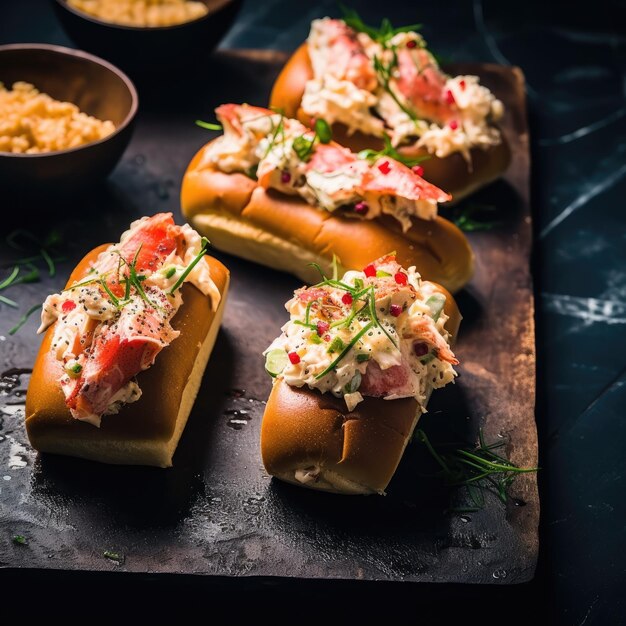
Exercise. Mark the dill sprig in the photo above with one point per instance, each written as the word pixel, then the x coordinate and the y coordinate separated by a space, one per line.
pixel 24 269
pixel 385 74
pixel 383 34
pixel 478 468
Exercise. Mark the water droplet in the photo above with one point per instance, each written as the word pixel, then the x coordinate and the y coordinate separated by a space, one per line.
pixel 237 418
pixel 499 573
pixel 6 478
pixel 519 502
pixel 3 338
pixel 465 519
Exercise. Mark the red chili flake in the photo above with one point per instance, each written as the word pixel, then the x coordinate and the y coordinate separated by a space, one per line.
pixel 326 337
pixel 420 348
pixel 346 298
pixel 453 124
pixel 411 44
pixel 361 208
pixel 369 271
pixel 401 278
pixel 322 327
pixel 462 85
pixel 68 305
pixel 450 97
pixel 384 167
pixel 395 310
pixel 285 177
pixel 294 358
pixel 418 169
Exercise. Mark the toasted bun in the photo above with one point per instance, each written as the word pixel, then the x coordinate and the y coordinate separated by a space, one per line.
pixel 311 440
pixel 286 233
pixel 450 173
pixel 145 432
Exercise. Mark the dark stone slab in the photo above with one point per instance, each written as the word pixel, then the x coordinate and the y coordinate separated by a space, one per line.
pixel 216 512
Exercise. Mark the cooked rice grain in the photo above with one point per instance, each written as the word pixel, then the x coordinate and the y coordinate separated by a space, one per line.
pixel 32 122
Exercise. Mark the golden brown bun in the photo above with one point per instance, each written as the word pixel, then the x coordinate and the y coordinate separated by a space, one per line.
pixel 286 233
pixel 450 173
pixel 145 432
pixel 309 438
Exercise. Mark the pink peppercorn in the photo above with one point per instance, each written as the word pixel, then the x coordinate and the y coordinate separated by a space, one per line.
pixel 294 358
pixel 369 271
pixel 453 124
pixel 450 97
pixel 418 169
pixel 361 208
pixel 420 348
pixel 395 310
pixel 347 298
pixel 322 327
pixel 285 177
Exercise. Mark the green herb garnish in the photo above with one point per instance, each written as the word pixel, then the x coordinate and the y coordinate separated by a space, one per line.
pixel 385 74
pixel 323 130
pixel 361 358
pixel 389 151
pixel 383 34
pixel 20 540
pixel 170 272
pixel 76 369
pixel 336 345
pixel 203 250
pixel 464 217
pixel 435 303
pixel 345 351
pixel 354 384
pixel 478 468
pixel 24 269
pixel 303 145
pixel 209 125
pixel 113 556
pixel 24 318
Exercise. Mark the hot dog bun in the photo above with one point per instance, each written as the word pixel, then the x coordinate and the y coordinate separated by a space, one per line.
pixel 286 233
pixel 145 432
pixel 450 173
pixel 311 440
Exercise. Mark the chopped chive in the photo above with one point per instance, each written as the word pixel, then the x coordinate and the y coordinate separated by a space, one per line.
pixel 49 262
pixel 8 302
pixel 336 345
pixel 170 272
pixel 113 556
pixel 112 297
pixel 346 350
pixel 196 260
pixel 10 278
pixel 209 125
pixel 20 540
pixel 24 318
pixel 361 358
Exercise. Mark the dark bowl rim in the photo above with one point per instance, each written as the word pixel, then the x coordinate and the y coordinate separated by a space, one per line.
pixel 113 26
pixel 72 52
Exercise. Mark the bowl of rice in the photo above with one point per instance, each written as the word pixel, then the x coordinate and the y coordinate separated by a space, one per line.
pixel 146 36
pixel 66 118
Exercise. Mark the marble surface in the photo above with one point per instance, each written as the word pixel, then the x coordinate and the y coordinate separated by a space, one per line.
pixel 574 61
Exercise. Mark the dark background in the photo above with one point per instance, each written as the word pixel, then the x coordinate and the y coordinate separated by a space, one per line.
pixel 574 58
